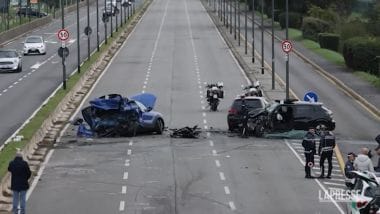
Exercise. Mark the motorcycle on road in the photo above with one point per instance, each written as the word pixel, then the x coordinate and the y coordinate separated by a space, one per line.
pixel 214 94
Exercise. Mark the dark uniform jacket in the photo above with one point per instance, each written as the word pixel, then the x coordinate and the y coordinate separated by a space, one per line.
pixel 308 143
pixel 327 143
pixel 20 174
pixel 348 168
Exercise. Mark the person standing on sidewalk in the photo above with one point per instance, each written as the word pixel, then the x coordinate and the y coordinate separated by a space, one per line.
pixel 326 151
pixel 363 162
pixel 20 174
pixel 308 144
pixel 377 168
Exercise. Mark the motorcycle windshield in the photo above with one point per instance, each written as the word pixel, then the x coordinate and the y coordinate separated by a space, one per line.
pixel 147 99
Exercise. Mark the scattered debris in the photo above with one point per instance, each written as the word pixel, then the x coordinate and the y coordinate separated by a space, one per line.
pixel 186 132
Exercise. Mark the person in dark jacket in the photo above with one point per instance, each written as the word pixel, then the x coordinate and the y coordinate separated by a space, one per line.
pixel 20 174
pixel 377 168
pixel 308 144
pixel 348 168
pixel 326 151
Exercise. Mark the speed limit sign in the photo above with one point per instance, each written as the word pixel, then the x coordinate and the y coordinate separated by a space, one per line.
pixel 287 46
pixel 63 35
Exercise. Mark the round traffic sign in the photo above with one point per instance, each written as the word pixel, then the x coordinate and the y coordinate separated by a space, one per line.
pixel 88 30
pixel 310 164
pixel 63 35
pixel 63 51
pixel 286 46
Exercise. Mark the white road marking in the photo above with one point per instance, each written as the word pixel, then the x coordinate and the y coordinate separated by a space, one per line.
pixel 36 66
pixel 15 83
pixel 201 96
pixel 143 91
pixel 144 87
pixel 124 190
pixel 317 181
pixel 214 152
pixel 205 127
pixel 204 114
pixel 232 205
pixel 334 184
pixel 11 86
pixel 227 190
pixel 202 102
pixel 24 76
pixel 203 107
pixel 129 152
pixel 211 143
pixel 122 206
pixel 217 163
pixel 20 79
pixel 5 90
pixel 221 176
pixel 208 134
pixel 125 176
pixel 130 143
pixel 127 162
pixel 1 94
pixel 204 121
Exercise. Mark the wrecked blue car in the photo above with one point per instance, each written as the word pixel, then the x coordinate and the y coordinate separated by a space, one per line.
pixel 113 115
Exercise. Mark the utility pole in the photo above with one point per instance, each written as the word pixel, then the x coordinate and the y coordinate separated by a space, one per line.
pixel 262 36
pixel 116 9
pixel 97 25
pixel 112 12
pixel 238 22
pixel 78 38
pixel 235 11
pixel 88 35
pixel 245 27
pixel 287 55
pixel 253 31
pixel 231 26
pixel 63 55
pixel 273 62
pixel 105 17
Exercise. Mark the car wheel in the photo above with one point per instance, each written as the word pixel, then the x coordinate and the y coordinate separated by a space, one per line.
pixel 321 126
pixel 159 126
pixel 19 69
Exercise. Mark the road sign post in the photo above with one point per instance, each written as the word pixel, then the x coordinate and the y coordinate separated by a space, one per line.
pixel 63 35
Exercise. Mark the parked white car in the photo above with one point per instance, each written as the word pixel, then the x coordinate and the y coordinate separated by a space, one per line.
pixel 10 61
pixel 34 45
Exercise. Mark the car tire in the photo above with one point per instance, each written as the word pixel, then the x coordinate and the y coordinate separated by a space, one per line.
pixel 19 69
pixel 159 127
pixel 320 124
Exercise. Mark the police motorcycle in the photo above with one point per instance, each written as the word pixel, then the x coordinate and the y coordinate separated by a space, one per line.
pixel 253 89
pixel 214 93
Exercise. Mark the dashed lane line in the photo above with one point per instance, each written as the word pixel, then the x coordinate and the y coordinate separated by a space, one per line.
pixel 129 152
pixel 125 176
pixel 232 205
pixel 124 190
pixel 221 176
pixel 227 190
pixel 122 206
pixel 217 163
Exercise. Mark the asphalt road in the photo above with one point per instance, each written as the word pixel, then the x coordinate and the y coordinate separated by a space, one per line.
pixel 353 122
pixel 172 52
pixel 22 93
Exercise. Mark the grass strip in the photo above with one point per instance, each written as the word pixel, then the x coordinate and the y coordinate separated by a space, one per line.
pixel 9 151
pixel 373 79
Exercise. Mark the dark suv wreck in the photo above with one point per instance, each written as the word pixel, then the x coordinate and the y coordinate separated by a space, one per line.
pixel 114 115
pixel 283 116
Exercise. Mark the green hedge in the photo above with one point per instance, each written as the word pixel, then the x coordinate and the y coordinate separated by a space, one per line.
pixel 329 41
pixel 295 20
pixel 311 27
pixel 360 54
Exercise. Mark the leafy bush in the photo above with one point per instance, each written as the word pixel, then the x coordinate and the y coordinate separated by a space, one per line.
pixel 329 41
pixel 295 20
pixel 327 15
pixel 354 28
pixel 313 26
pixel 360 53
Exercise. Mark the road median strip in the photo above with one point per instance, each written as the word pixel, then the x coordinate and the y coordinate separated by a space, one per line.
pixel 41 131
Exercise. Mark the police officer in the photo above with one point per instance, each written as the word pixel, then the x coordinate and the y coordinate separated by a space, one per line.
pixel 244 114
pixel 325 151
pixel 308 144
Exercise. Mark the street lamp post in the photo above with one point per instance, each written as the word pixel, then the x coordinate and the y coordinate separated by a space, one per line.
pixel 287 55
pixel 262 36
pixel 63 55
pixel 231 26
pixel 112 12
pixel 97 25
pixel 116 9
pixel 235 11
pixel 273 62
pixel 245 27
pixel 253 31
pixel 88 34
pixel 78 39
pixel 238 22
pixel 105 17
